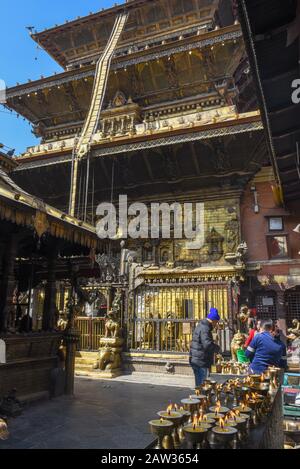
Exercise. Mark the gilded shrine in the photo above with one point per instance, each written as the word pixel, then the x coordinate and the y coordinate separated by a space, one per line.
pixel 155 102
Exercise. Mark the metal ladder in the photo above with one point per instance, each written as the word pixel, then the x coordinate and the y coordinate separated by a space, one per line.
pixel 100 83
pixel 82 145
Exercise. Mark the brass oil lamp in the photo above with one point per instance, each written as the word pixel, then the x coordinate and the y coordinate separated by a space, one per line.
pixel 239 421
pixel 186 418
pixel 201 397
pixel 195 435
pixel 223 436
pixel 243 408
pixel 219 409
pixel 217 392
pixel 207 392
pixel 191 405
pixel 254 402
pixel 176 418
pixel 205 422
pixel 273 379
pixel 163 430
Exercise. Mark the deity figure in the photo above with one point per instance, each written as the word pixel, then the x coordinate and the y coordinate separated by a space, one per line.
pixel 149 333
pixel 294 332
pixel 231 235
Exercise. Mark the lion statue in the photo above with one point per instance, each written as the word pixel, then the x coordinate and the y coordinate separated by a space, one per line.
pixel 109 359
pixel 112 326
pixel 237 343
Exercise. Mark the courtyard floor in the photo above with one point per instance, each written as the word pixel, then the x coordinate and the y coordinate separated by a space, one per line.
pixel 102 415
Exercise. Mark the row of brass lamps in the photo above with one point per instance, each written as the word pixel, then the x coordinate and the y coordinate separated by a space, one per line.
pixel 217 415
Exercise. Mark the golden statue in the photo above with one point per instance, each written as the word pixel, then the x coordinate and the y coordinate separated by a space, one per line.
pixel 149 333
pixel 111 346
pixel 237 343
pixel 110 359
pixel 170 333
pixel 112 326
pixel 62 322
pixel 244 314
pixel 294 332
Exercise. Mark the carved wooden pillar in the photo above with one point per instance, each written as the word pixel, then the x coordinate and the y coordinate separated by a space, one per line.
pixel 8 283
pixel 281 313
pixel 50 295
pixel 71 340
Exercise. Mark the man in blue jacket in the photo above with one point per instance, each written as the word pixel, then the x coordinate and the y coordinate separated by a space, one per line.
pixel 265 350
pixel 203 348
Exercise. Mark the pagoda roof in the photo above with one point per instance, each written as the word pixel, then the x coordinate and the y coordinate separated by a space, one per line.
pixel 64 98
pixel 19 207
pixel 85 37
pixel 7 162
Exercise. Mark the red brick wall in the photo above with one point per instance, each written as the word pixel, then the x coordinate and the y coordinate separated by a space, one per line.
pixel 255 226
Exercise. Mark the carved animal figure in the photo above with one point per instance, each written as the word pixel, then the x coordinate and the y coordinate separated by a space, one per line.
pixel 109 359
pixel 112 327
pixel 237 343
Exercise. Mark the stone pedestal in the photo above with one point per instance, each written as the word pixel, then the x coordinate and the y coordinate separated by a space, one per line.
pixel 109 361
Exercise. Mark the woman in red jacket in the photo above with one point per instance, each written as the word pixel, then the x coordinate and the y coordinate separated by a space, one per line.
pixel 253 330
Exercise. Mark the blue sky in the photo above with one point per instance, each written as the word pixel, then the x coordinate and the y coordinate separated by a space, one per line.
pixel 19 58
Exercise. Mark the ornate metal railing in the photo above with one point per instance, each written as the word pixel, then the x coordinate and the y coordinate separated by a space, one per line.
pixel 91 331
pixel 144 335
pixel 167 336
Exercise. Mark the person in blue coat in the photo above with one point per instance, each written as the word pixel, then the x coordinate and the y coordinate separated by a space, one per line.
pixel 265 350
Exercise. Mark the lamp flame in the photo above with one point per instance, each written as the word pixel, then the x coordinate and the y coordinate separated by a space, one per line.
pixel 169 409
pixel 222 423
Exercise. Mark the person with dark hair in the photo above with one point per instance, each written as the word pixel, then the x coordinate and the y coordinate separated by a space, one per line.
pixel 252 331
pixel 264 351
pixel 276 333
pixel 203 348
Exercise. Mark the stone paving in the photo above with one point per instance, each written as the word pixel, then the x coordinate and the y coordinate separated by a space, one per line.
pixel 103 415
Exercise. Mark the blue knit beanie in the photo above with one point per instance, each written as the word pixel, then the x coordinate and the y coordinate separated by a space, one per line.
pixel 213 315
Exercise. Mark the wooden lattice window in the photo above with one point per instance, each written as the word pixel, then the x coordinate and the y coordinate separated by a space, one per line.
pixel 293 305
pixel 266 305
